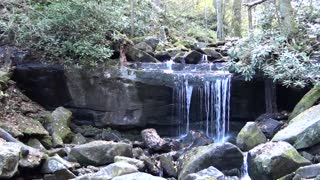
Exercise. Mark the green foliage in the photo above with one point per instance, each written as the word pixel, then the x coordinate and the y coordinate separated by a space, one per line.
pixel 284 59
pixel 76 32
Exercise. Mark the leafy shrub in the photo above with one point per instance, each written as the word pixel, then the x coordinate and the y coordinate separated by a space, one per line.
pixel 71 31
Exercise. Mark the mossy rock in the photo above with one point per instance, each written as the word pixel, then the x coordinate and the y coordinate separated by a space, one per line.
pixel 303 131
pixel 136 55
pixel 19 125
pixel 57 123
pixel 306 102
pixel 223 156
pixel 274 160
pixel 250 136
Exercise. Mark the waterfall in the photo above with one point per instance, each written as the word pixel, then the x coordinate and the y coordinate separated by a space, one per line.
pixel 213 106
pixel 169 66
pixel 244 169
pixel 189 89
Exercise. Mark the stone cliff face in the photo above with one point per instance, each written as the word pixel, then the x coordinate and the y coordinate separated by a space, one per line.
pixel 101 99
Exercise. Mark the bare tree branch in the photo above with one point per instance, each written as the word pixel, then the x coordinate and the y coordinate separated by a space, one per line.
pixel 254 3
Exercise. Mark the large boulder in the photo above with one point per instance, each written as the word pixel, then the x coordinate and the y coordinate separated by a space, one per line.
pixel 98 153
pixel 212 54
pixel 138 176
pixel 303 131
pixel 19 125
pixel 9 160
pixel 224 156
pixel 136 162
pixel 168 164
pixel 273 160
pixel 250 136
pixel 269 126
pixel 111 171
pixel 143 46
pixel 55 163
pixel 194 57
pixel 307 172
pixel 58 167
pixel 209 173
pixel 136 55
pixel 57 123
pixel 153 141
pixel 195 139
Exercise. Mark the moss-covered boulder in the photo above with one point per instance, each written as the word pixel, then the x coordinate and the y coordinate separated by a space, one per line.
pixel 111 171
pixel 9 160
pixel 223 156
pixel 136 55
pixel 306 102
pixel 57 123
pixel 273 160
pixel 99 153
pixel 210 173
pixel 194 57
pixel 250 136
pixel 4 78
pixel 19 125
pixel 303 131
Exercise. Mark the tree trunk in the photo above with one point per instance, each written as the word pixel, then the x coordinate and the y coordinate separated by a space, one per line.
pixel 219 10
pixel 132 17
pixel 237 18
pixel 288 25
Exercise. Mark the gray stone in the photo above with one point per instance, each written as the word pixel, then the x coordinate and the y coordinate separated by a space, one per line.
pixel 79 139
pixel 212 54
pixel 143 46
pixel 269 126
pixel 35 143
pixel 193 57
pixel 273 160
pixel 104 152
pixel 9 160
pixel 250 136
pixel 55 163
pixel 153 141
pixel 96 95
pixel 168 165
pixel 137 55
pixel 195 139
pixel 303 131
pixel 138 176
pixel 151 165
pixel 209 173
pixel 152 41
pixel 162 56
pixel 111 171
pixel 223 156
pixel 307 172
pixel 140 164
pixel 57 124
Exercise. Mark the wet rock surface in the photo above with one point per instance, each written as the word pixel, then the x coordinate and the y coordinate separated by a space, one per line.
pixel 250 136
pixel 273 160
pixel 303 131
pixel 224 156
pixel 104 152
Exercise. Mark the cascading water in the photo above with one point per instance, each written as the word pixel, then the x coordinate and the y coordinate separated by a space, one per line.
pixel 214 109
pixel 244 169
pixel 201 95
pixel 169 66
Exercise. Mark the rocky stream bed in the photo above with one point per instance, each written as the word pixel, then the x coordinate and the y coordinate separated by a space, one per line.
pixel 98 125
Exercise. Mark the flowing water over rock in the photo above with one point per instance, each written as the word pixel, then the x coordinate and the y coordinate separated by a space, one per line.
pixel 244 169
pixel 205 85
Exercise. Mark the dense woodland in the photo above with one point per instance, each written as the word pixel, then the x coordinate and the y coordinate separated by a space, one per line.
pixel 279 38
pixel 160 89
